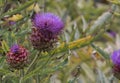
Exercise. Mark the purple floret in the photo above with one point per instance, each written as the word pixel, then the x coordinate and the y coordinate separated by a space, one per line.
pixel 48 22
pixel 15 48
pixel 12 22
pixel 116 57
pixel 111 33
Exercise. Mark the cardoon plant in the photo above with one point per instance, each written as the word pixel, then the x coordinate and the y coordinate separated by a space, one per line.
pixel 80 56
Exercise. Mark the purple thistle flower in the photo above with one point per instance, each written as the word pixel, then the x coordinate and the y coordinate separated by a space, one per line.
pixel 48 22
pixel 45 30
pixel 116 57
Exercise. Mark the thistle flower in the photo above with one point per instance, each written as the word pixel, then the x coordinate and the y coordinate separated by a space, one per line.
pixel 45 31
pixel 116 63
pixel 17 57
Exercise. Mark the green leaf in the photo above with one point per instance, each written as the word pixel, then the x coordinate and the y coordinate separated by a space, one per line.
pixel 101 78
pixel 101 20
pixel 4 71
pixel 115 2
pixel 101 52
pixel 2 61
pixel 72 81
pixel 73 33
pixel 45 71
pixel 88 71
pixel 22 7
pixel 5 46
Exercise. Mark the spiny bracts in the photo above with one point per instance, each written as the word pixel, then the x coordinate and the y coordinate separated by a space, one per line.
pixel 17 57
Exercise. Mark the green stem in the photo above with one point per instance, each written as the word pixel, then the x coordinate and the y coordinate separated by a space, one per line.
pixel 32 63
pixel 44 6
pixel 47 61
pixel 37 79
pixel 21 75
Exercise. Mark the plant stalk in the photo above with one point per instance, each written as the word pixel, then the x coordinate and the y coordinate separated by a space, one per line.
pixel 32 63
pixel 21 75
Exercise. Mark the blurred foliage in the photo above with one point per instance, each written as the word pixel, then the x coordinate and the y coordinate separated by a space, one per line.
pixel 84 48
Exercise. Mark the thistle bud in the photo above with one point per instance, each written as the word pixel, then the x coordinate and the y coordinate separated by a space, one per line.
pixel 17 57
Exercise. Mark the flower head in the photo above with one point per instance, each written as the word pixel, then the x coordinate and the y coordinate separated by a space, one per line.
pixel 48 22
pixel 17 57
pixel 45 30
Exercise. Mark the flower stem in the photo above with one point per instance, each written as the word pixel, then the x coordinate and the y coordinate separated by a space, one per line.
pixel 32 63
pixel 44 6
pixel 21 75
pixel 37 79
